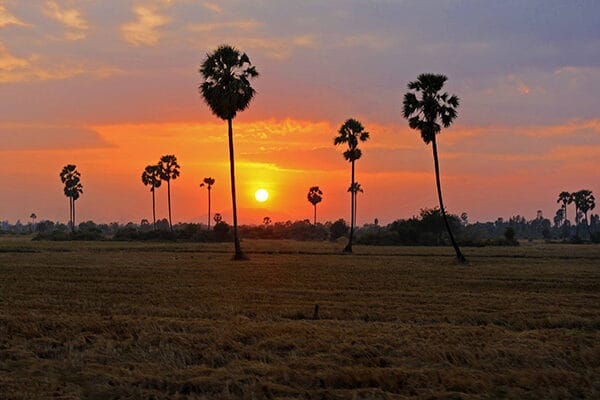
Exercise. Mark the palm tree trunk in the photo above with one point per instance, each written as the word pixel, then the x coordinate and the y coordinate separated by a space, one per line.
pixel 461 258
pixel 209 208
pixel 348 248
pixel 315 217
pixel 153 209
pixel 169 201
pixel 73 215
pixel 355 205
pixel 239 254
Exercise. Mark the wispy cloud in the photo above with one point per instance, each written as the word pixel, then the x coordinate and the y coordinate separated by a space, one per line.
pixel 245 25
pixel 33 68
pixel 71 18
pixel 7 18
pixel 214 7
pixel 144 31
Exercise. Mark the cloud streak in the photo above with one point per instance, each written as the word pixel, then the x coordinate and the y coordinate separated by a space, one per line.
pixel 145 29
pixel 71 18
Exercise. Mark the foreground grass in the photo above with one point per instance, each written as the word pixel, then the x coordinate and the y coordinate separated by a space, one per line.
pixel 169 321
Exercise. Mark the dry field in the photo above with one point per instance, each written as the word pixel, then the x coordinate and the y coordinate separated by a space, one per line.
pixel 182 321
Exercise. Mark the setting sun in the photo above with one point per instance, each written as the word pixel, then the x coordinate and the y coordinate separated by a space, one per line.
pixel 261 195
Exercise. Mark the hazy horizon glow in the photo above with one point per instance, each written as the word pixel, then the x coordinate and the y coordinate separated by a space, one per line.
pixel 112 87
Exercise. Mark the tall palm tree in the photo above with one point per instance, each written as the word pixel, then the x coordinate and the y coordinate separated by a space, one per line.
pixel 151 177
pixel 584 202
pixel 33 217
pixel 208 182
pixel 71 178
pixel 355 189
pixel 350 133
pixel 168 170
pixel 315 195
pixel 424 114
pixel 564 198
pixel 226 89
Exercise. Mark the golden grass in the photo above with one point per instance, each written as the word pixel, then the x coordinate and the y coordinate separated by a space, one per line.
pixel 175 321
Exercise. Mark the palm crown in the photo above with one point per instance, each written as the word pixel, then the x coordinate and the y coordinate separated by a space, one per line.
pixel 168 167
pixel 315 195
pixel 151 176
pixel 425 113
pixel 351 133
pixel 226 87
pixel 72 180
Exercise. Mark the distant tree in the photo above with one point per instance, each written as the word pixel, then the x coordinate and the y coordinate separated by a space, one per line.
pixel 208 182
pixel 351 133
pixel 464 217
pixel 267 221
pixel 509 234
pixel 424 114
pixel 151 177
pixel 558 217
pixel 314 196
pixel 33 218
pixel 71 178
pixel 217 218
pixel 355 189
pixel 584 202
pixel 226 89
pixel 338 229
pixel 168 170
pixel 564 198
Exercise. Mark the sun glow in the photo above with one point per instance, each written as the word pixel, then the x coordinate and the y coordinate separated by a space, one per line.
pixel 261 195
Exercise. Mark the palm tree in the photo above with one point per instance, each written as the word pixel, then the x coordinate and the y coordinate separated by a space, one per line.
pixel 208 182
pixel 355 189
pixel 425 114
pixel 226 89
pixel 564 198
pixel 33 218
pixel 315 195
pixel 151 176
pixel 168 170
pixel 351 132
pixel 71 178
pixel 584 202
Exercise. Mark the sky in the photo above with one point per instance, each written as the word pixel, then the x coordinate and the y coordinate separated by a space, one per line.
pixel 111 86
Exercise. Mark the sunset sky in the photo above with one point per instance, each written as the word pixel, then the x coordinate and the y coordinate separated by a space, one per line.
pixel 112 85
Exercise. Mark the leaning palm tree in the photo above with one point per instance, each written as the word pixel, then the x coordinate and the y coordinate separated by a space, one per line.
pixel 208 182
pixel 315 195
pixel 226 89
pixel 168 170
pixel 424 114
pixel 151 177
pixel 71 178
pixel 350 133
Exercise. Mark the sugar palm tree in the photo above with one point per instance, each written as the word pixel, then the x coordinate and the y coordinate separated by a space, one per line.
pixel 584 202
pixel 355 189
pixel 564 198
pixel 315 195
pixel 168 170
pixel 208 182
pixel 351 133
pixel 33 217
pixel 71 178
pixel 151 177
pixel 424 114
pixel 226 89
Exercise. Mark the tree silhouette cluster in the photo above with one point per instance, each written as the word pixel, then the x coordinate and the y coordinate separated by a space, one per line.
pixel 584 202
pixel 166 169
pixel 71 178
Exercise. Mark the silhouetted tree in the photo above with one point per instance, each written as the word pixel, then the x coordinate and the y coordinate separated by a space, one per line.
pixel 151 177
pixel 168 170
pixel 267 221
pixel 351 133
pixel 217 218
pixel 584 202
pixel 355 189
pixel 33 218
pixel 208 182
pixel 226 89
pixel 564 198
pixel 424 114
pixel 315 195
pixel 71 178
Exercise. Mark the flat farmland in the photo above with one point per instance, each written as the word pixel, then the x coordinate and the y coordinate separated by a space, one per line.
pixel 111 320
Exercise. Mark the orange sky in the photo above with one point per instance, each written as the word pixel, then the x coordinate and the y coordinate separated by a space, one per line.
pixel 111 88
